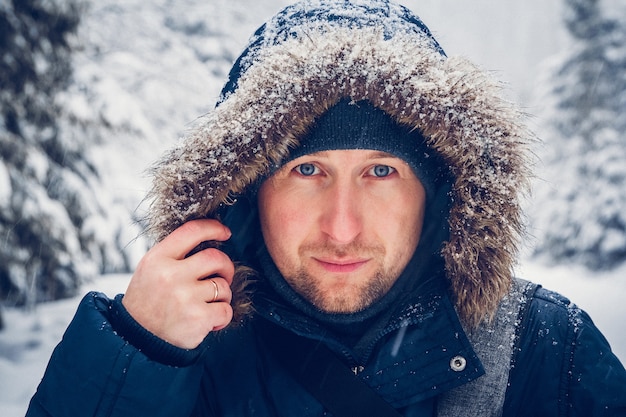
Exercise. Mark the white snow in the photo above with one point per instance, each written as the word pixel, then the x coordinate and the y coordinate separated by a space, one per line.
pixel 5 185
pixel 28 340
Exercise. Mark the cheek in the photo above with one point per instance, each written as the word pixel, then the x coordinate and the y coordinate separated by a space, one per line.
pixel 403 229
pixel 414 216
pixel 283 222
pixel 403 223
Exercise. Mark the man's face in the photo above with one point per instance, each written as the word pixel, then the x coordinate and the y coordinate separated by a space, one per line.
pixel 342 225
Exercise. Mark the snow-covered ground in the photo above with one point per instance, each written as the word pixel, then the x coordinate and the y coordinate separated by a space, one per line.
pixel 29 339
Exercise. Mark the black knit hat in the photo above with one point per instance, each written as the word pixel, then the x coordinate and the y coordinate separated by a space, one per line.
pixel 360 125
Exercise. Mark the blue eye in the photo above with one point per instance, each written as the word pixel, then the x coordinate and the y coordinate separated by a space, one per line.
pixel 306 169
pixel 382 171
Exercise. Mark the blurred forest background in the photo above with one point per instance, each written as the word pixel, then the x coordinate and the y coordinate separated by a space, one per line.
pixel 91 92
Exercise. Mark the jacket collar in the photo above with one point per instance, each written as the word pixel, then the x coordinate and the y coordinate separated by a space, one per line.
pixel 420 352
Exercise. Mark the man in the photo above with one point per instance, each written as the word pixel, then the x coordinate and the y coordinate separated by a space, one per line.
pixel 353 201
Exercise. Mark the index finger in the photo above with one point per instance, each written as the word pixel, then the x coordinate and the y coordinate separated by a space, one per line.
pixel 185 238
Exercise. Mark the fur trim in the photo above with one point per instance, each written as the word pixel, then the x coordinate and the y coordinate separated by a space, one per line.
pixel 455 105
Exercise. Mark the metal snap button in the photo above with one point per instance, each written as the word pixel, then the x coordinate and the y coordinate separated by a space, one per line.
pixel 458 363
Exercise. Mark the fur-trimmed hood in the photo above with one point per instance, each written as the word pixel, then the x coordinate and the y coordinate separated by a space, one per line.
pixel 307 58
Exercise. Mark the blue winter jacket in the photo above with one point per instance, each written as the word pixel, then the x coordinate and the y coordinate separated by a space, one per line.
pixel 561 365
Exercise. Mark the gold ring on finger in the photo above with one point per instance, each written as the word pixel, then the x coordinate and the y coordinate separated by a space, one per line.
pixel 217 291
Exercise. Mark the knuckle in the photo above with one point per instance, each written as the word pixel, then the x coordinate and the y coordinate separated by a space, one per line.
pixel 216 255
pixel 192 226
pixel 210 255
pixel 146 261
pixel 219 260
pixel 152 261
pixel 222 315
pixel 198 226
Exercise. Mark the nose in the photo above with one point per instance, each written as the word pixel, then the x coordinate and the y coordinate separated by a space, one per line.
pixel 342 214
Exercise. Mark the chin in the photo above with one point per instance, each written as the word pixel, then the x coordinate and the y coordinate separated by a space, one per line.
pixel 342 306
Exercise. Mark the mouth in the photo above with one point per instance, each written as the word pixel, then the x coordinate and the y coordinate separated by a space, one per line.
pixel 341 265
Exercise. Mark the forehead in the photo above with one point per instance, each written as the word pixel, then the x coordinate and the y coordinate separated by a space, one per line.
pixel 369 153
pixel 345 154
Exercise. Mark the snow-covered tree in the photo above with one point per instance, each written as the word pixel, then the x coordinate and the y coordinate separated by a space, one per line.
pixel 57 227
pixel 35 65
pixel 138 72
pixel 580 214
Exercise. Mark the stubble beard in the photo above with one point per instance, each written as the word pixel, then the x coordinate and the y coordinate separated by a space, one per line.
pixel 360 292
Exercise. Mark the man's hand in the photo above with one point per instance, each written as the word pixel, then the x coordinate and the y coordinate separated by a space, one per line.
pixel 171 296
